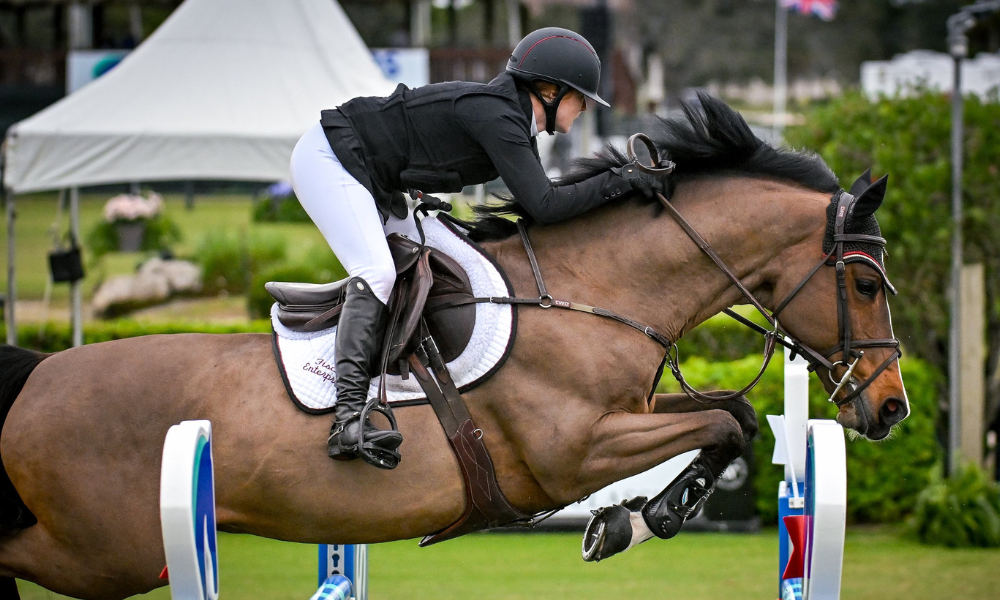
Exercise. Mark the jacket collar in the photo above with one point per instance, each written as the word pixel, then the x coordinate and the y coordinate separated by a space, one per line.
pixel 505 81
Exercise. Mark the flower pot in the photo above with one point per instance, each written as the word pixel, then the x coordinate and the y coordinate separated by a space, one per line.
pixel 130 234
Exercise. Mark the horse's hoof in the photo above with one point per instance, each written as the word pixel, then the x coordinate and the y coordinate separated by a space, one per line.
pixel 613 529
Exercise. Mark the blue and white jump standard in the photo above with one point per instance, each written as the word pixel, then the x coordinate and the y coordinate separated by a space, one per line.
pixel 813 498
pixel 187 516
pixel 187 512
pixel 344 560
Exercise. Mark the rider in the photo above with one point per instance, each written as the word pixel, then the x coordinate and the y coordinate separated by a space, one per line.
pixel 350 169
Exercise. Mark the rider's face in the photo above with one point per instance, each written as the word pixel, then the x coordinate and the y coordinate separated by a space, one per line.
pixel 570 107
pixel 572 104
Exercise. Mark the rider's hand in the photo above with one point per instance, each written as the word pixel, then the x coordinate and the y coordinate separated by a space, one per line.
pixel 642 182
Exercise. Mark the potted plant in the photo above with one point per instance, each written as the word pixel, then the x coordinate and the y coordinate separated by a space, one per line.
pixel 133 223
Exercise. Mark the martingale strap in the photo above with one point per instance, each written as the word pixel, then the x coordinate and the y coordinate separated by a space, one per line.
pixel 486 506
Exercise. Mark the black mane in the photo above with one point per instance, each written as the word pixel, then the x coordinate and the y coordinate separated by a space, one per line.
pixel 714 139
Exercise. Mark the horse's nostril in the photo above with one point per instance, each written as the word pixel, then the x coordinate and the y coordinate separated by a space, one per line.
pixel 893 411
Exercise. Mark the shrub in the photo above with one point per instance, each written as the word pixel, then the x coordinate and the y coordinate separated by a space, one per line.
pixel 54 337
pixel 279 210
pixel 909 138
pixel 884 479
pixel 160 233
pixel 961 511
pixel 229 262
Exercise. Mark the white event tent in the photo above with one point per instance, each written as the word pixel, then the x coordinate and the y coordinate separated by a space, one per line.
pixel 220 91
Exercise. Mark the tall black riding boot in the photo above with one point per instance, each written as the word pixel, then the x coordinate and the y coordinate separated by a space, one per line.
pixel 360 333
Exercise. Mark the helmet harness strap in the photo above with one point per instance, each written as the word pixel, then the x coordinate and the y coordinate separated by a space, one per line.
pixel 550 107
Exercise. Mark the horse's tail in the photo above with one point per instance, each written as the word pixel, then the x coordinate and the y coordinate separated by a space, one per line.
pixel 15 366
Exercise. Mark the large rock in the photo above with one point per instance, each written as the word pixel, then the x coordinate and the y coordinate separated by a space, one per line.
pixel 182 276
pixel 156 281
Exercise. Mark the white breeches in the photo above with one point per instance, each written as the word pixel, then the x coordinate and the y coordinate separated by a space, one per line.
pixel 345 212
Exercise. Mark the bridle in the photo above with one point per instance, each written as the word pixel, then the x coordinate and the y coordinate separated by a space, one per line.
pixel 850 350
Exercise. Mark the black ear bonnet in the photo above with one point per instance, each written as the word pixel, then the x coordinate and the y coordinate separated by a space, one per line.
pixel 860 220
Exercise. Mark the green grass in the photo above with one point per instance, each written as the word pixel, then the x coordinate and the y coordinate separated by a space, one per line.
pixel 879 565
pixel 36 212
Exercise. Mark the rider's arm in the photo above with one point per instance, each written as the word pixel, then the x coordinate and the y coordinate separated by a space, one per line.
pixel 505 139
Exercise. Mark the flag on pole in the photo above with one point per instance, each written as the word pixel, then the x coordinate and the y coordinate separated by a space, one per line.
pixel 824 9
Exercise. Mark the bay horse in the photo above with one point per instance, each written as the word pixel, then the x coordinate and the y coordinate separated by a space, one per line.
pixel 571 411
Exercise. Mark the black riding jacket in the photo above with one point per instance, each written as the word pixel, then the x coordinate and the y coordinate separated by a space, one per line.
pixel 444 136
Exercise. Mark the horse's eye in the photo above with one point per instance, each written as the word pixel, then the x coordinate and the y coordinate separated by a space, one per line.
pixel 867 287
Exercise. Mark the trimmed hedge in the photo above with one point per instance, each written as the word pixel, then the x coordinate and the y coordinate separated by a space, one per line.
pixel 59 336
pixel 718 339
pixel 884 479
pixel 279 210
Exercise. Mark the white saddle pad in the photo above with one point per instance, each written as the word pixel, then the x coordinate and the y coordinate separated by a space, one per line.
pixel 307 359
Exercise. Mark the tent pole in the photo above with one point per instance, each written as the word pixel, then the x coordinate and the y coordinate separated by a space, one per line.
pixel 11 279
pixel 75 287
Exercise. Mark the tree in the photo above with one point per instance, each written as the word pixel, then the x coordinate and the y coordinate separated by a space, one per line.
pixel 909 138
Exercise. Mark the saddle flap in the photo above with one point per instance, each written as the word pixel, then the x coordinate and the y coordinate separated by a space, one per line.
pixel 418 286
pixel 449 276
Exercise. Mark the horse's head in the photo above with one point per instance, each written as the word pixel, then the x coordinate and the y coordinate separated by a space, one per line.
pixel 841 313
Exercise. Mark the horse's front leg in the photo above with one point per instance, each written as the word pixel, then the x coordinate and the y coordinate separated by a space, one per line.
pixel 740 408
pixel 617 528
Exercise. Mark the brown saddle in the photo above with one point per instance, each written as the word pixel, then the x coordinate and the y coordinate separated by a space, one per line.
pixel 425 279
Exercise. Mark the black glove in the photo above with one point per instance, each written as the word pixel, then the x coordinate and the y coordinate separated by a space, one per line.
pixel 642 182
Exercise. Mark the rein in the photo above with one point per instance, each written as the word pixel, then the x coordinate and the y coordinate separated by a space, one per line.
pixel 850 349
pixel 847 347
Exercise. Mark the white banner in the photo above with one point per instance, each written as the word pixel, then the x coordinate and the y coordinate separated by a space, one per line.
pixel 84 66
pixel 411 66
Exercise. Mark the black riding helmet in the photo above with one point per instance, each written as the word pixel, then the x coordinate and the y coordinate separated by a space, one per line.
pixel 559 56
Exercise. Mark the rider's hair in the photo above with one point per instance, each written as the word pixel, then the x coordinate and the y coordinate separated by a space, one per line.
pixel 547 90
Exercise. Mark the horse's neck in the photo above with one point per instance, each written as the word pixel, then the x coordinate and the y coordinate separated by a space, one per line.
pixel 635 260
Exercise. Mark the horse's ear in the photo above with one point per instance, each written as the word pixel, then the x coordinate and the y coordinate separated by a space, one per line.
pixel 870 199
pixel 861 183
